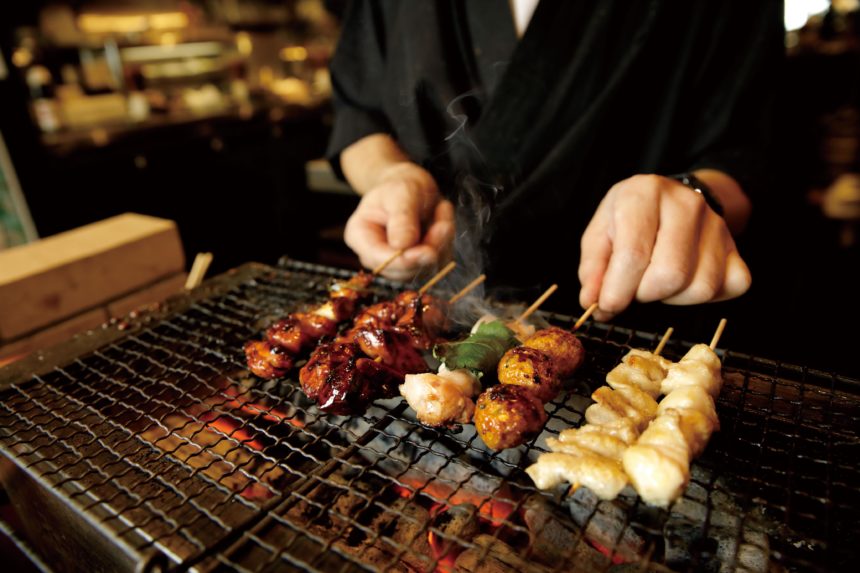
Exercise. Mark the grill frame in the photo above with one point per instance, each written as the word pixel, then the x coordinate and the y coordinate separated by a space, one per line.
pixel 760 397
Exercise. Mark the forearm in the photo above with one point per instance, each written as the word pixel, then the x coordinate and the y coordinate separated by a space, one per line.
pixel 736 204
pixel 366 161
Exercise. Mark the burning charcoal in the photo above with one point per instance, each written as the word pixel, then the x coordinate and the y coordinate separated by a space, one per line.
pixel 554 540
pixel 606 523
pixel 501 558
pixel 458 521
pixel 406 522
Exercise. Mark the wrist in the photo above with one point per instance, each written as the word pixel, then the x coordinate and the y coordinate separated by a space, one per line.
pixel 695 184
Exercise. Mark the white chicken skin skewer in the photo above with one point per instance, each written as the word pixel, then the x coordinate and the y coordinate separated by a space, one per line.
pixel 591 455
pixel 658 464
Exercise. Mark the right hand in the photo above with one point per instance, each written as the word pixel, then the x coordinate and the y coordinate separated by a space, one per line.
pixel 403 210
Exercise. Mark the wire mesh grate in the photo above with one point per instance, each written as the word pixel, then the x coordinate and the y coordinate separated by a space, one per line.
pixel 159 437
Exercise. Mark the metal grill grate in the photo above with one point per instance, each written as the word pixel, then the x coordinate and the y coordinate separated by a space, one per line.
pixel 155 435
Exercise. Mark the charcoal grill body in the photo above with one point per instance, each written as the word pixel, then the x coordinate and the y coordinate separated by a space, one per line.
pixel 146 445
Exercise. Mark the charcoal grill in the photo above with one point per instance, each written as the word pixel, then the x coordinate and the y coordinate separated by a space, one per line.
pixel 147 446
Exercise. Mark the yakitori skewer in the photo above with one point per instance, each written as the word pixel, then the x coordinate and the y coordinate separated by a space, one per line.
pixel 381 266
pixel 437 277
pixel 536 304
pixel 585 315
pixel 467 289
pixel 591 454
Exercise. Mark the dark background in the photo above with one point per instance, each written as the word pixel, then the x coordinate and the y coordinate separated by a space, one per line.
pixel 236 186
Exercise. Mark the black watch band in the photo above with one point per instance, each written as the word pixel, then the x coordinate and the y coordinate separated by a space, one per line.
pixel 697 185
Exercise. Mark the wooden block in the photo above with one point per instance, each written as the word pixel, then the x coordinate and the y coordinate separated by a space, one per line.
pixel 53 335
pixel 152 294
pixel 44 282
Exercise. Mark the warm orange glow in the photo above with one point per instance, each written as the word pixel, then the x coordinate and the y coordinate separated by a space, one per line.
pixel 294 54
pixel 243 403
pixel 131 23
pixel 231 429
pixel 446 559
pixel 616 558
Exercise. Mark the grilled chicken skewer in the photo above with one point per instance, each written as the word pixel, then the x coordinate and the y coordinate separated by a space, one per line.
pixel 506 418
pixel 370 360
pixel 286 339
pixel 658 464
pixel 591 454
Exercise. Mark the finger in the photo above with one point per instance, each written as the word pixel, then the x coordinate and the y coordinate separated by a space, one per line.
pixel 710 273
pixel 738 278
pixel 440 233
pixel 634 225
pixel 403 226
pixel 676 250
pixel 595 250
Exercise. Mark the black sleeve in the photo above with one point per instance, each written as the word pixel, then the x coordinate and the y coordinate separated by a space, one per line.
pixel 736 85
pixel 357 73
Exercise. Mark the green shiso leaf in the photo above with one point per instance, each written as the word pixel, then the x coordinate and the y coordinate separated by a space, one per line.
pixel 481 351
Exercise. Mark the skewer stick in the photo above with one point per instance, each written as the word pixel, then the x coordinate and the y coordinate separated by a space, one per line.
pixel 588 312
pixel 465 290
pixel 437 277
pixel 386 262
pixel 536 304
pixel 663 341
pixel 720 328
pixel 198 270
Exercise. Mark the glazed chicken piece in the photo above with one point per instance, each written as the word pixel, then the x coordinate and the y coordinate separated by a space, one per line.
pixel 508 415
pixel 267 360
pixel 300 331
pixel 422 317
pixel 442 399
pixel 532 369
pixel 562 346
pixel 381 315
pixel 343 381
pixel 392 348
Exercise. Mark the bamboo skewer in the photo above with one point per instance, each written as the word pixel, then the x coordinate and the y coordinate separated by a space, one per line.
pixel 198 270
pixel 663 341
pixel 536 304
pixel 381 267
pixel 720 328
pixel 466 289
pixel 437 277
pixel 588 312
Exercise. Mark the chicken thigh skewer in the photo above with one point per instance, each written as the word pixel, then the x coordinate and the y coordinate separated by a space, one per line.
pixel 591 454
pixel 370 361
pixel 275 355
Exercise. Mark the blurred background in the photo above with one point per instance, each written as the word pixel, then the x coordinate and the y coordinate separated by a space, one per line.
pixel 215 114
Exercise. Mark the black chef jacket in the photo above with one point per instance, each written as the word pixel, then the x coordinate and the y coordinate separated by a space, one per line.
pixel 527 136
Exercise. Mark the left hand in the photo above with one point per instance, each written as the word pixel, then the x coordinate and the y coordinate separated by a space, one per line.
pixel 652 238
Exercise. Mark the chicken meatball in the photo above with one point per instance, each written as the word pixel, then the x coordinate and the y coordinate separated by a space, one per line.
pixel 531 368
pixel 562 346
pixel 508 415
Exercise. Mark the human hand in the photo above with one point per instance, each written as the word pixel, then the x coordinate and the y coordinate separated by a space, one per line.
pixel 403 210
pixel 651 239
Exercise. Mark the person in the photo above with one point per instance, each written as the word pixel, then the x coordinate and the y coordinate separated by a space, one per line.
pixel 612 148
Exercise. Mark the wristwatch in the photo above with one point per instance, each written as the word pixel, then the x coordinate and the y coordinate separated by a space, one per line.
pixel 697 185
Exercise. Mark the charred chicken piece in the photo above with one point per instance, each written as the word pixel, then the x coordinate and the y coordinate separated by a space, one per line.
pixel 562 346
pixel 508 415
pixel 392 348
pixel 267 360
pixel 531 368
pixel 343 381
pixel 380 315
pixel 423 317
pixel 300 330
pixel 344 297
